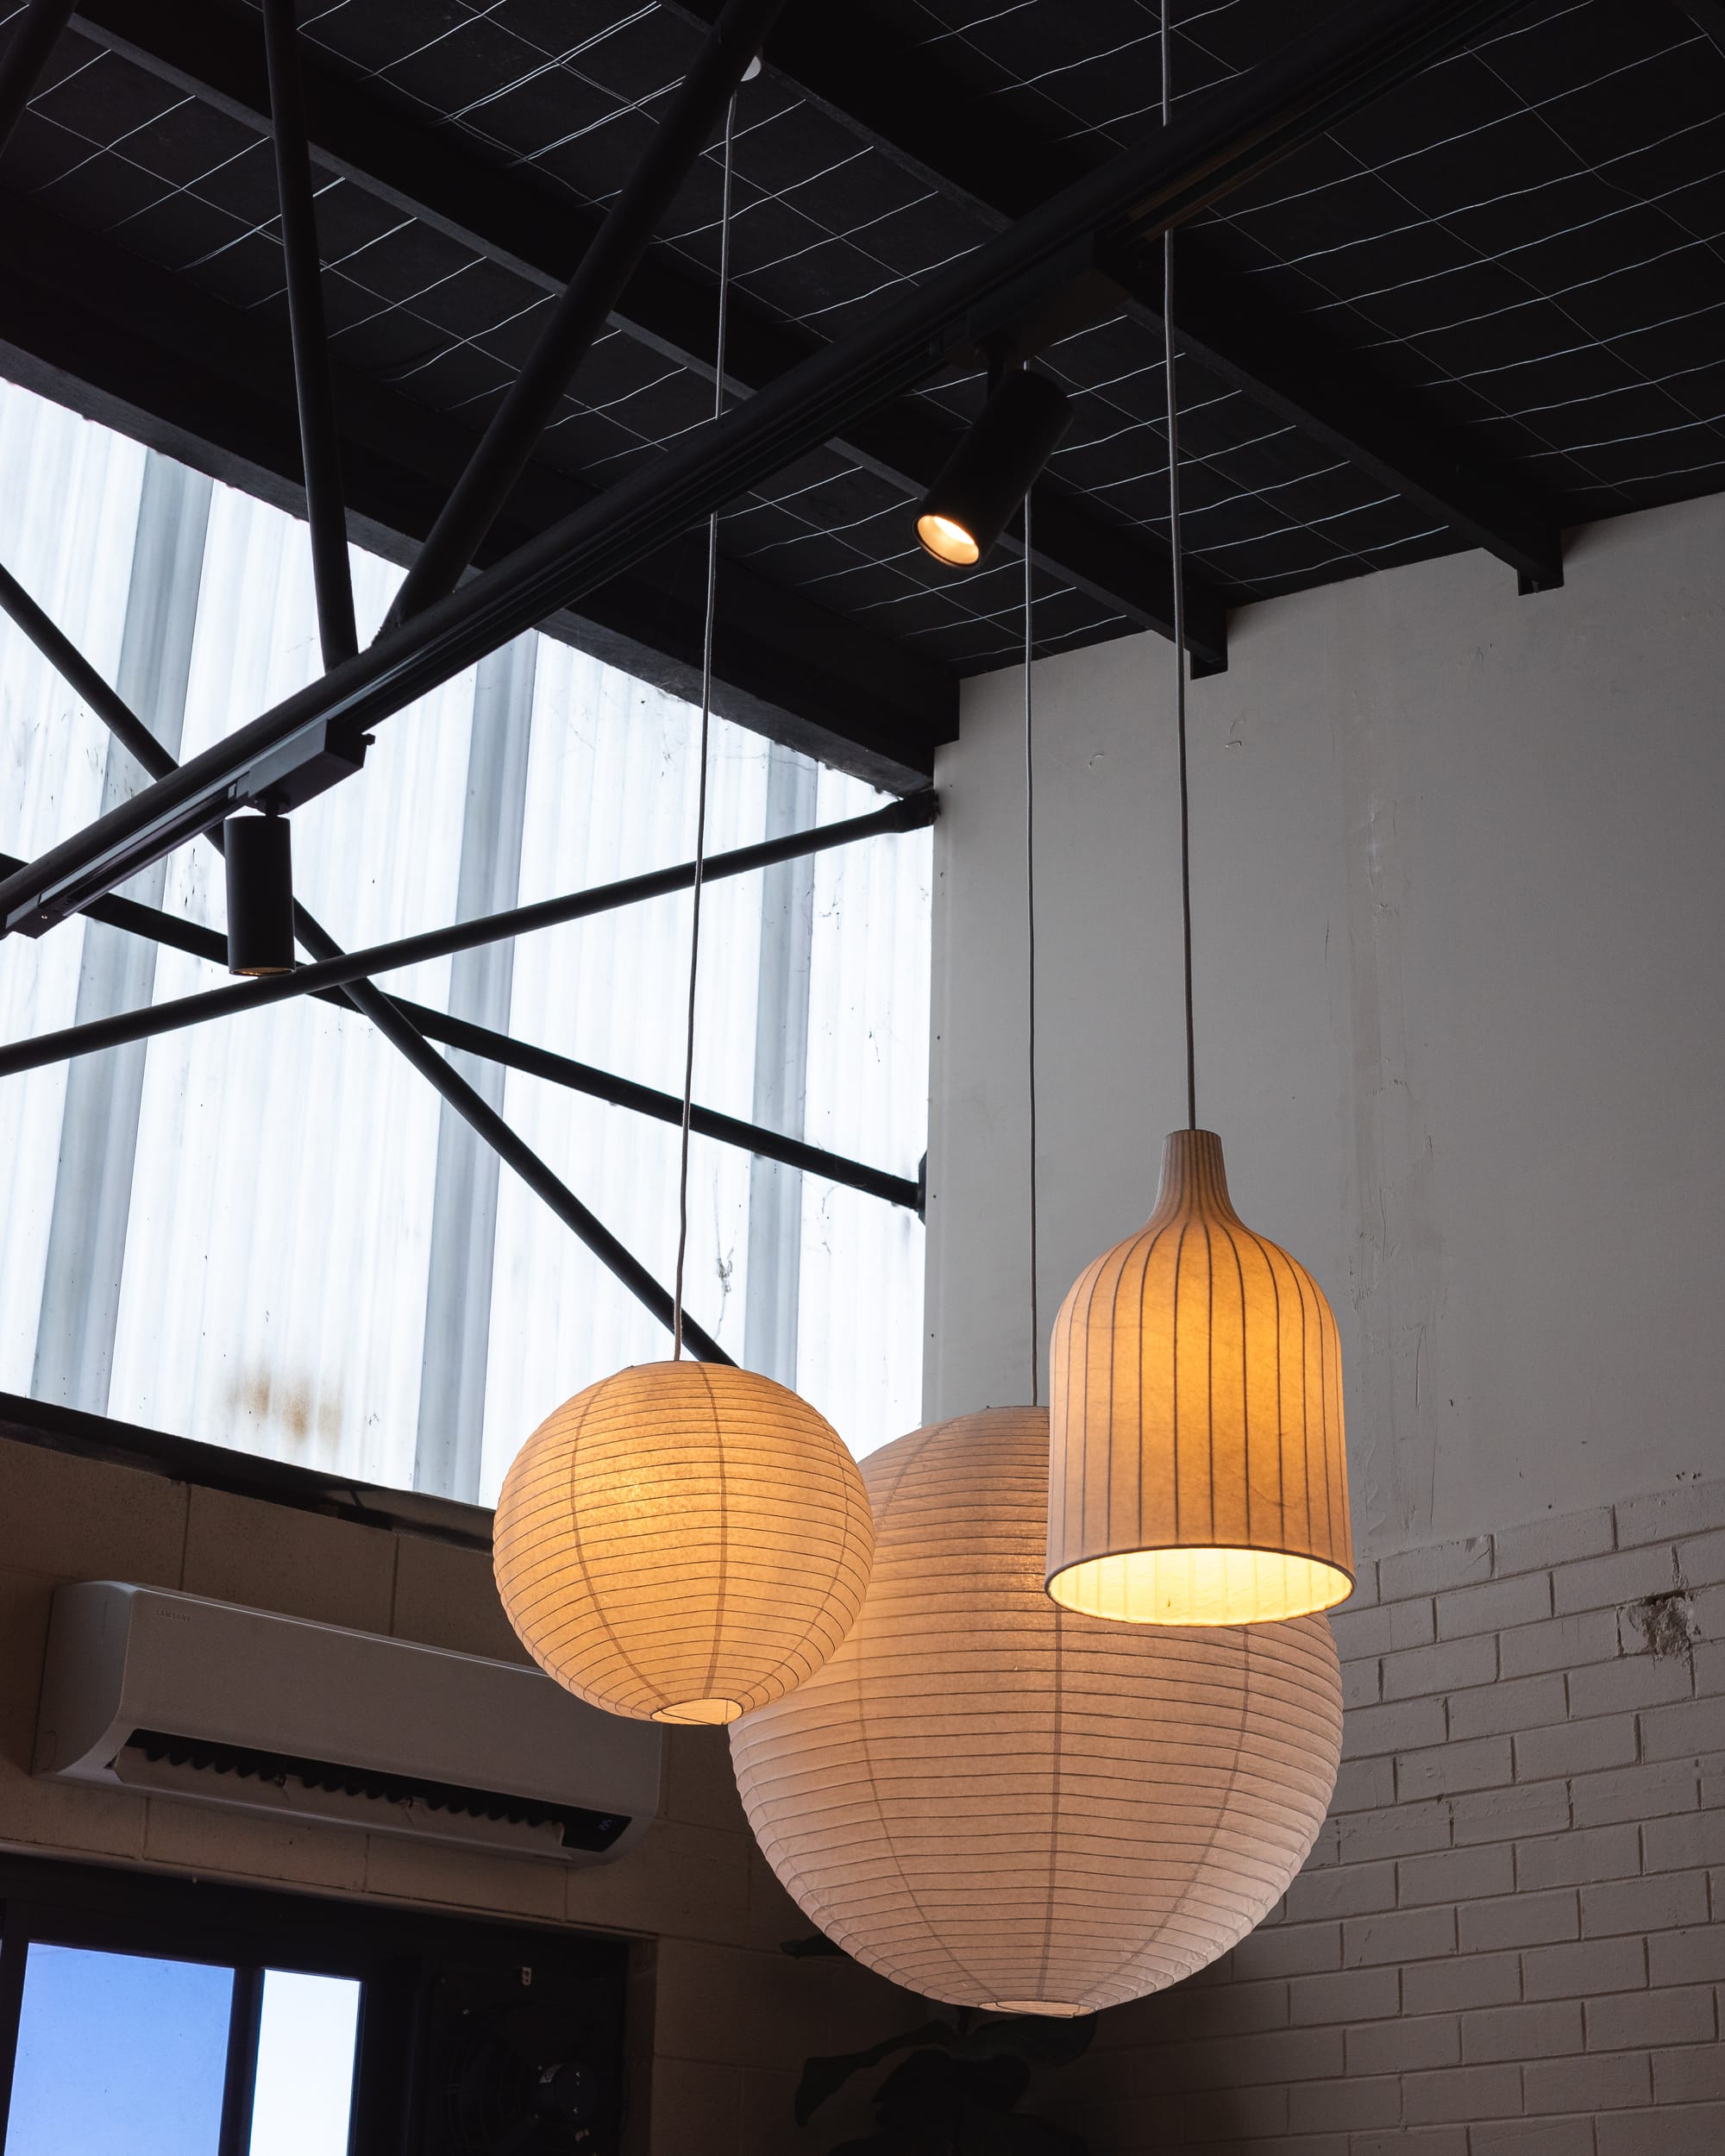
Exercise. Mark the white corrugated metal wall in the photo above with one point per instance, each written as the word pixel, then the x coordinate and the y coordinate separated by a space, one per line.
pixel 278 1248
pixel 68 510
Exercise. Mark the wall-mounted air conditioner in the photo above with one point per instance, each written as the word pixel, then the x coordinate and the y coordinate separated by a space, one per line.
pixel 173 1695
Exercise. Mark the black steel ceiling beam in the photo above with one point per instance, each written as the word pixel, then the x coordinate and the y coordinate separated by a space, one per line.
pixel 202 943
pixel 319 441
pixel 1271 357
pixel 935 127
pixel 1245 127
pixel 139 349
pixel 26 54
pixel 478 1112
pixel 178 933
pixel 395 1024
pixel 587 302
pixel 76 671
pixel 344 969
pixel 206 50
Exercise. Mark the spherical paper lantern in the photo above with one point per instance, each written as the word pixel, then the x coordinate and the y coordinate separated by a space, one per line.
pixel 682 1542
pixel 1198 1472
pixel 997 1802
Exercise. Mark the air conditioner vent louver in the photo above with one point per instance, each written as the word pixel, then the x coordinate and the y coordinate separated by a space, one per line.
pixel 575 1828
pixel 173 1696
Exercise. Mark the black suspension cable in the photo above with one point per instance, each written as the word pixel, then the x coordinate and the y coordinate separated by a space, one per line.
pixel 1030 969
pixel 1176 551
pixel 706 731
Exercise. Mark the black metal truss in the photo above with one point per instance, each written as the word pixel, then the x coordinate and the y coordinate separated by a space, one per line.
pixel 1103 219
pixel 208 944
pixel 101 331
pixel 395 1024
pixel 476 1110
pixel 319 441
pixel 915 116
pixel 204 50
pixel 398 1017
pixel 1114 214
pixel 580 310
pixel 344 969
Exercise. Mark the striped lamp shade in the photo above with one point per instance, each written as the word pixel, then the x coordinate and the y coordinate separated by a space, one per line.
pixel 682 1542
pixel 1198 1473
pixel 995 1802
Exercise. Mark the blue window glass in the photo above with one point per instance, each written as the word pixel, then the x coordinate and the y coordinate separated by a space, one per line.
pixel 305 2066
pixel 121 2053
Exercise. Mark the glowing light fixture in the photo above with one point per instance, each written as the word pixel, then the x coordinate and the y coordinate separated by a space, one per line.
pixel 1198 1469
pixel 992 468
pixel 682 1542
pixel 998 1802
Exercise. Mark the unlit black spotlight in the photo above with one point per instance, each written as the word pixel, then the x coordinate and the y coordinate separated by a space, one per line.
pixel 992 470
pixel 260 894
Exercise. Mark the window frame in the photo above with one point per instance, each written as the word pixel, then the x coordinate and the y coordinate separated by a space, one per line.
pixel 396 1956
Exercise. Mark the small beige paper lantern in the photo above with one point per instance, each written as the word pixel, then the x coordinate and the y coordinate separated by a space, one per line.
pixel 682 1542
pixel 1198 1471
pixel 995 1801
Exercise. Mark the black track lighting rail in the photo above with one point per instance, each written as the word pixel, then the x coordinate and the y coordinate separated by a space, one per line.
pixel 1244 128
pixel 206 51
pixel 928 124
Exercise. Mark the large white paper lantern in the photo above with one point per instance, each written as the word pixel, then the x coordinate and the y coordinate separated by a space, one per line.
pixel 998 1802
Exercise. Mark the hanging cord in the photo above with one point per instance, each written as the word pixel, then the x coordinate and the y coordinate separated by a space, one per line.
pixel 706 731
pixel 1178 567
pixel 1030 975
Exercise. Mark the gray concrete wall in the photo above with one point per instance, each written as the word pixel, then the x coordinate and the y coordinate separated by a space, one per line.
pixel 1459 884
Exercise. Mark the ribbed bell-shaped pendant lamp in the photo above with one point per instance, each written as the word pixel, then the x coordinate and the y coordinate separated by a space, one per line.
pixel 1198 1471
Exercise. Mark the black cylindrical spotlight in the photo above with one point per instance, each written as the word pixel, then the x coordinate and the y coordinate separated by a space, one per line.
pixel 991 471
pixel 260 894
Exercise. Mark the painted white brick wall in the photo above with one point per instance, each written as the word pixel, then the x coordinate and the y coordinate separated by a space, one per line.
pixel 1510 1938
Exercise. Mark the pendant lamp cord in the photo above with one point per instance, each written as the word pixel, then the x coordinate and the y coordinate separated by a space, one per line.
pixel 705 733
pixel 1030 975
pixel 1177 568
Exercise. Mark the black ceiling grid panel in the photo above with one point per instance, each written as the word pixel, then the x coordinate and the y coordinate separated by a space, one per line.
pixel 412 305
pixel 837 532
pixel 795 670
pixel 1517 252
pixel 1006 108
pixel 1539 248
pixel 1505 241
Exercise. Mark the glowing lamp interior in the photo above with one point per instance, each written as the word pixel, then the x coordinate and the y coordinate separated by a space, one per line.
pixel 1199 1587
pixel 946 541
pixel 702 1713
